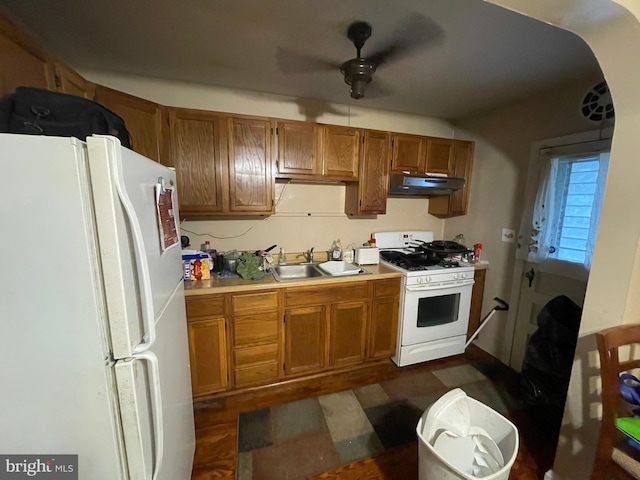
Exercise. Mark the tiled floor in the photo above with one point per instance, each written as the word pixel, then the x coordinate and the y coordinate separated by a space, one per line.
pixel 306 437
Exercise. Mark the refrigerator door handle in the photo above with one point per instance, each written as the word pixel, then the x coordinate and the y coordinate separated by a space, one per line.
pixel 156 399
pixel 142 266
pixel 141 413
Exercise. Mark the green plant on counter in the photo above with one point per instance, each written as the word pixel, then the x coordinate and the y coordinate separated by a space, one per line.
pixel 249 266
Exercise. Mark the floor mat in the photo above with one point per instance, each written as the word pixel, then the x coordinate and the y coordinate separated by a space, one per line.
pixel 295 440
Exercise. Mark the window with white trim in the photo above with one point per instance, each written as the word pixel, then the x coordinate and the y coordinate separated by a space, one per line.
pixel 577 183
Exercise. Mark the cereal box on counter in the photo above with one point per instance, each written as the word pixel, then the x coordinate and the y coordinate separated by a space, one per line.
pixel 195 265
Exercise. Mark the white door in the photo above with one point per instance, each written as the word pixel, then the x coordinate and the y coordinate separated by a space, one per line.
pixel 139 278
pixel 548 280
pixel 572 211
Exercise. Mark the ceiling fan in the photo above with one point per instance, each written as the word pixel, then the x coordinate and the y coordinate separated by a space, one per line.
pixel 409 37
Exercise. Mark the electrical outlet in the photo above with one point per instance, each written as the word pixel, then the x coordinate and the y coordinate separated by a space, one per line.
pixel 508 235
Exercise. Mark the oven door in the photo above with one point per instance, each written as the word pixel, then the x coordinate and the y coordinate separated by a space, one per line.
pixel 434 313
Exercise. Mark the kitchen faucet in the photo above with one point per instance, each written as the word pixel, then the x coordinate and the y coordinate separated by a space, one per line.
pixel 309 255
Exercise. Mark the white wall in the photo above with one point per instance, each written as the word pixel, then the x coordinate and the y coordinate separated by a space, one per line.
pixel 306 215
pixel 613 33
pixel 503 142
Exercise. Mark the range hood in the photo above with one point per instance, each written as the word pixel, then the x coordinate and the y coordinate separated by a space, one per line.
pixel 422 185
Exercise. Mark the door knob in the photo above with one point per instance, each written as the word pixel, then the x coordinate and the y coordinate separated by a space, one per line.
pixel 530 275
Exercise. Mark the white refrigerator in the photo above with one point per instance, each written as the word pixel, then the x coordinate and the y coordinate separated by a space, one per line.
pixel 93 337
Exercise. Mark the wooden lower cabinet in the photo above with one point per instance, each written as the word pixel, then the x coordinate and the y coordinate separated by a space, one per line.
pixel 325 327
pixel 305 334
pixel 208 355
pixel 248 339
pixel 384 319
pixel 256 319
pixel 477 293
pixel 348 333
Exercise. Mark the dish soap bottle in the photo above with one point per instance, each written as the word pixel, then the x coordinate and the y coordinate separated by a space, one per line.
pixel 336 251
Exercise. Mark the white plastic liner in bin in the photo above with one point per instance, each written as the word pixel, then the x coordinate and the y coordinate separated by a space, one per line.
pixel 462 438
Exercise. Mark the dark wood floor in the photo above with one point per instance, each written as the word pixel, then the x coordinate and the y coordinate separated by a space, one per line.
pixel 217 419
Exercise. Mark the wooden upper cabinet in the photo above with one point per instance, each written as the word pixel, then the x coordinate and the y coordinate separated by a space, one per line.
pixel 369 195
pixel 457 203
pixel 408 155
pixel 70 82
pixel 251 178
pixel 439 156
pixel 298 148
pixel 198 153
pixel 22 62
pixel 340 151
pixel 223 163
pixel 142 118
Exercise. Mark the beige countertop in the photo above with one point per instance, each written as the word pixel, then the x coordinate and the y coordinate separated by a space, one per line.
pixel 236 284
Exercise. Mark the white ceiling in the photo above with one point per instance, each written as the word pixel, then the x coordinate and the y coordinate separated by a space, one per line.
pixel 475 55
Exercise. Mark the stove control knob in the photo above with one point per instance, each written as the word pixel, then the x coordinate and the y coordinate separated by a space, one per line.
pixel 463 275
pixel 456 276
pixel 427 279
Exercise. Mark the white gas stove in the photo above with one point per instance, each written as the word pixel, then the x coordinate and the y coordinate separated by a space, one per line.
pixel 435 299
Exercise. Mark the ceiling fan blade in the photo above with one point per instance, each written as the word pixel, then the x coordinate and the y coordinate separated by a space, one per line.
pixel 411 36
pixel 290 62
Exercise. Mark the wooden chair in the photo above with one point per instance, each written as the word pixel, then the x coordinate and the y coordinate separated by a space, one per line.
pixel 615 459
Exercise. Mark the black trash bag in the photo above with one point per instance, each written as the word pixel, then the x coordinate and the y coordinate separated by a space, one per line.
pixel 548 359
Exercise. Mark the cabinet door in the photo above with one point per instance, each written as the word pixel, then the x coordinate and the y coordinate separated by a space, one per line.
pixel 369 195
pixel 340 152
pixel 477 293
pixel 142 118
pixel 69 81
pixel 297 148
pixel 462 164
pixel 305 339
pixel 408 154
pixel 251 179
pixel 456 203
pixel 198 153
pixel 439 156
pixel 383 330
pixel 208 355
pixel 348 333
pixel 384 327
pixel 22 64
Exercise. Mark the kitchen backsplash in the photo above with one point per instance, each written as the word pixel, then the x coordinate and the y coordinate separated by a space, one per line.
pixel 310 216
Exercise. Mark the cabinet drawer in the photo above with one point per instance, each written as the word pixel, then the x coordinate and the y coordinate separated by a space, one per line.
pixel 384 288
pixel 250 329
pixel 254 302
pixel 315 296
pixel 259 354
pixel 257 374
pixel 205 307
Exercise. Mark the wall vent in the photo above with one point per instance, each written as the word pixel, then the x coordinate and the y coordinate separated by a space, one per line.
pixel 597 104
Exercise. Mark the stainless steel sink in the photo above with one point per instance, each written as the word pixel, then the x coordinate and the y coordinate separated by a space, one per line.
pixel 296 272
pixel 303 271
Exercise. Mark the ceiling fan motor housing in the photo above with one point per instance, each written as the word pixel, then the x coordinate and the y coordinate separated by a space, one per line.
pixel 357 73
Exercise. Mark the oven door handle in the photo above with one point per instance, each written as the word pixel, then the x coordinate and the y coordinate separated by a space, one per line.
pixel 425 288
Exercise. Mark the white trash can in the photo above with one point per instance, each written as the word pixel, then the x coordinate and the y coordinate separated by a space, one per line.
pixel 461 438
